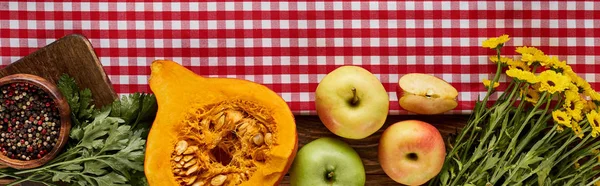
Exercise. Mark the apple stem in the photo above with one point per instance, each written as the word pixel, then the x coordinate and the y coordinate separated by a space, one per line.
pixel 330 175
pixel 354 96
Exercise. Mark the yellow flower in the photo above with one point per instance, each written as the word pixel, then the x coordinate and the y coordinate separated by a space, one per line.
pixel 589 106
pixel 531 95
pixel 494 42
pixel 528 58
pixel 592 94
pixel 487 82
pixel 559 128
pixel 562 118
pixel 573 105
pixel 557 64
pixel 536 57
pixel 517 64
pixel 594 120
pixel 522 75
pixel 576 129
pixel 528 50
pixel 578 81
pixel 552 82
pixel 503 59
pixel 597 153
pixel 577 165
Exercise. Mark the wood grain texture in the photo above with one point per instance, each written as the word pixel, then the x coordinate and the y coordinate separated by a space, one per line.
pixel 74 55
pixel 311 128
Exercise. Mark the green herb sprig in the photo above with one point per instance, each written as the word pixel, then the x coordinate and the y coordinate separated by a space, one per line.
pixel 106 145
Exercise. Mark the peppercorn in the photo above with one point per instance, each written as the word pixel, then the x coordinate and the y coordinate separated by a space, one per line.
pixel 29 117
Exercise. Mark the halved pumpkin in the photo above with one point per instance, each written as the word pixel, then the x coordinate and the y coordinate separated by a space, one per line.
pixel 216 131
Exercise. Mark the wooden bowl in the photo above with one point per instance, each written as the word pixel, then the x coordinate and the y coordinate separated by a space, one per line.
pixel 65 119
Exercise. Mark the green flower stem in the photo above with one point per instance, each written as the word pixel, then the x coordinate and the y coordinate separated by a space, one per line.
pixel 565 155
pixel 593 181
pixel 538 125
pixel 552 157
pixel 496 78
pixel 513 142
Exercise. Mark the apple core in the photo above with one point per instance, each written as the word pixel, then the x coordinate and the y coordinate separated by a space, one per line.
pixel 412 156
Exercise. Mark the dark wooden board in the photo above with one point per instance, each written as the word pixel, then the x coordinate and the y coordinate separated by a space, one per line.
pixel 311 128
pixel 74 55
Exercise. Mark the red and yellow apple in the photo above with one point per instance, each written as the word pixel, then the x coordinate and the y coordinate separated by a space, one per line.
pixel 411 152
pixel 351 102
pixel 425 94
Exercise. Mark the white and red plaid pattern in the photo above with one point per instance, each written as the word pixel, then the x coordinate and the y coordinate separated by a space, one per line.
pixel 291 46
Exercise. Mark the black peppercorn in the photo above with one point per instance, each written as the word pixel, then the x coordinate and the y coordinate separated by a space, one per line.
pixel 28 119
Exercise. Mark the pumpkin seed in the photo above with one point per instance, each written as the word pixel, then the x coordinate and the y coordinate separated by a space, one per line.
pixel 220 122
pixel 192 170
pixel 234 116
pixel 218 180
pixel 190 150
pixel 188 164
pixel 187 158
pixel 181 147
pixel 199 183
pixel 177 158
pixel 190 180
pixel 269 139
pixel 258 139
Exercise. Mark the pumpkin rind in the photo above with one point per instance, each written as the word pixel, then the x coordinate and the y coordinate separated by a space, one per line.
pixel 186 100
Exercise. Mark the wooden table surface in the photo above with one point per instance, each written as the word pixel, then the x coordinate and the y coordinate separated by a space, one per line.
pixel 311 128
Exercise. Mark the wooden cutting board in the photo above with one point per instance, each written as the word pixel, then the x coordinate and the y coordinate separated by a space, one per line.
pixel 74 55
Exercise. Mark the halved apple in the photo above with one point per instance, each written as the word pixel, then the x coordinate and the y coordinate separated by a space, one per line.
pixel 426 94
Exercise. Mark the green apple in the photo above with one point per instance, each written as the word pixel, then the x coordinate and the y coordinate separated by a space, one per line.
pixel 351 102
pixel 327 162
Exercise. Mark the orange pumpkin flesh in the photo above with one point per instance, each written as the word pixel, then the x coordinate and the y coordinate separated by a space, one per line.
pixel 216 130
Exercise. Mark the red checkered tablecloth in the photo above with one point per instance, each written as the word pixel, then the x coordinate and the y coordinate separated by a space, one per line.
pixel 290 46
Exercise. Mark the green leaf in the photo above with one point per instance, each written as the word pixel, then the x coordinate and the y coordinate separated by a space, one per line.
pixel 111 179
pixel 76 133
pixel 491 161
pixel 139 179
pixel 85 104
pixel 65 177
pixel 116 166
pixel 95 168
pixel 117 138
pixel 460 165
pixel 129 107
pixel 149 108
pixel 92 132
pixel 71 167
pixel 68 88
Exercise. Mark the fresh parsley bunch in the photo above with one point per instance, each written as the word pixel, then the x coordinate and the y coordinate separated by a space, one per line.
pixel 106 145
